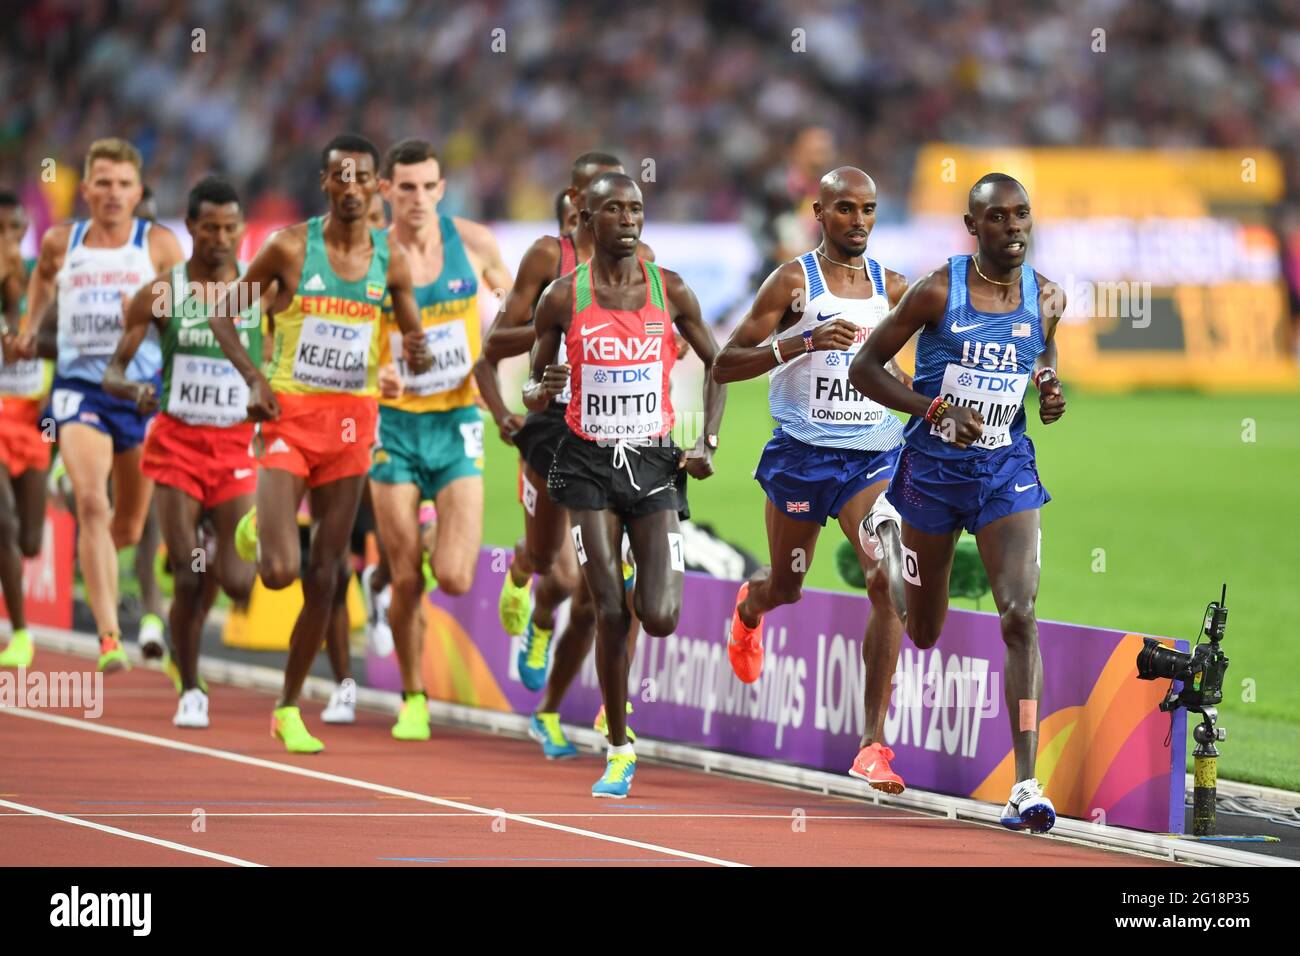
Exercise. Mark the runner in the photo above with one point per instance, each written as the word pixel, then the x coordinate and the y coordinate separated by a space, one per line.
pixel 545 524
pixel 619 469
pixel 92 266
pixel 316 409
pixel 967 460
pixel 196 449
pixel 24 447
pixel 833 451
pixel 430 443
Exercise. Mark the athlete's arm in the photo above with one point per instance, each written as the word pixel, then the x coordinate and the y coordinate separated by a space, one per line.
pixel 415 347
pixel 748 353
pixel 895 286
pixel 486 255
pixel 46 340
pixel 278 259
pixel 685 311
pixel 148 305
pixel 550 322
pixel 164 248
pixel 922 305
pixel 1051 306
pixel 41 290
pixel 12 292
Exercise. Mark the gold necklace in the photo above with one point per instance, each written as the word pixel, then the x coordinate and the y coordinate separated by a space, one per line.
pixel 993 281
pixel 847 265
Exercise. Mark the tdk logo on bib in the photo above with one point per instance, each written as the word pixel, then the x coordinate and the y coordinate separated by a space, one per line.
pixel 1009 384
pixel 623 376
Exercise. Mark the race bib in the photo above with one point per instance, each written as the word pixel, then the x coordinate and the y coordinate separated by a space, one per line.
pixel 23 379
pixel 449 347
pixel 997 396
pixel 832 399
pixel 622 401
pixel 333 355
pixel 562 358
pixel 207 391
pixel 94 327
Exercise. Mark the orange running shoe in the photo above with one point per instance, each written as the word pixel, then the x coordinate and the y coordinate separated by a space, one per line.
pixel 745 649
pixel 872 765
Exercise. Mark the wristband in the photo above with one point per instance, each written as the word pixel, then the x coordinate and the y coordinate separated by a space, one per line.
pixel 807 340
pixel 937 409
pixel 1043 373
pixel 776 350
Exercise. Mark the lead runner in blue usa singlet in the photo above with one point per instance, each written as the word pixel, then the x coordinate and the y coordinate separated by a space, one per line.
pixel 986 324
pixel 834 449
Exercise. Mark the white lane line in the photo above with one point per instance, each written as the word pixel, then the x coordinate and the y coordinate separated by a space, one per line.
pixel 535 816
pixel 75 821
pixel 99 728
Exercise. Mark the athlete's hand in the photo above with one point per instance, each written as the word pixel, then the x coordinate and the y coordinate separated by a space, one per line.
pixel 390 381
pixel 415 348
pixel 837 335
pixel 1051 403
pixel 18 347
pixel 262 404
pixel 698 461
pixel 961 425
pixel 555 380
pixel 145 398
pixel 508 424
pixel 10 348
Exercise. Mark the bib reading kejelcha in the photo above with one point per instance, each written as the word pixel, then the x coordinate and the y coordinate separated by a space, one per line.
pixel 326 341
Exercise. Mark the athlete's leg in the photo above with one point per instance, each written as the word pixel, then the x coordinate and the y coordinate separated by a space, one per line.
pixel 1009 549
pixel 179 514
pixel 30 494
pixel 521 567
pixel 88 456
pixel 927 602
pixel 545 532
pixel 396 507
pixel 600 534
pixel 460 533
pixel 235 575
pixel 657 597
pixel 339 628
pixel 11 555
pixel 146 551
pixel 333 510
pixel 790 550
pixel 132 491
pixel 279 551
pixel 884 629
pixel 571 648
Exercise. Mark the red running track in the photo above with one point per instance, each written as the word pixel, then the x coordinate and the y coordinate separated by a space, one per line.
pixel 231 795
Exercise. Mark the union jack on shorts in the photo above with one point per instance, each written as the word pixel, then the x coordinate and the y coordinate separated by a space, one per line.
pixel 796 507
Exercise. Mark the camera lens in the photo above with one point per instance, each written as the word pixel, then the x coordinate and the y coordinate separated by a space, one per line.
pixel 1156 662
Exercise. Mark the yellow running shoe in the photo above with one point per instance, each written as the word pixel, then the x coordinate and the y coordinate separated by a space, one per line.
pixel 112 655
pixel 287 725
pixel 602 726
pixel 20 651
pixel 173 672
pixel 246 536
pixel 515 604
pixel 413 719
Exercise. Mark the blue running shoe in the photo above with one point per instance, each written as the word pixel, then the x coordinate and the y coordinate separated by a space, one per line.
pixel 534 656
pixel 545 729
pixel 617 780
pixel 1028 809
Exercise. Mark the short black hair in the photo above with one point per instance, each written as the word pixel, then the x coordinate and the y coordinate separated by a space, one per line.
pixel 348 143
pixel 610 179
pixel 989 179
pixel 213 189
pixel 407 153
pixel 594 158
pixel 9 200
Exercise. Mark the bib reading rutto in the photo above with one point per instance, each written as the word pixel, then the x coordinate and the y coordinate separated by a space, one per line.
pixel 978 359
pixel 620 364
pixel 810 395
pixel 325 341
pixel 449 314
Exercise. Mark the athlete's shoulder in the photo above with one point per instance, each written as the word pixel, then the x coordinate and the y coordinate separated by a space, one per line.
pixel 56 237
pixel 287 238
pixel 895 283
pixel 644 251
pixel 1051 296
pixel 928 295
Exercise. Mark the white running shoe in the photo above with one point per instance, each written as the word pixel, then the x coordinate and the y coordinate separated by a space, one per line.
pixel 192 710
pixel 379 636
pixel 342 707
pixel 868 531
pixel 152 645
pixel 1028 809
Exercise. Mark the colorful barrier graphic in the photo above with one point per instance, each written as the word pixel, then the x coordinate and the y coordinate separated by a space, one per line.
pixel 1106 753
pixel 47 578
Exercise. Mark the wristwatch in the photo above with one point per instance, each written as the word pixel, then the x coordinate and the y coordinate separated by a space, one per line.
pixel 711 441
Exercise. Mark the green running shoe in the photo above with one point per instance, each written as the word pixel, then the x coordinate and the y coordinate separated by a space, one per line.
pixel 112 655
pixel 20 651
pixel 515 605
pixel 602 726
pixel 246 536
pixel 173 672
pixel 413 719
pixel 287 725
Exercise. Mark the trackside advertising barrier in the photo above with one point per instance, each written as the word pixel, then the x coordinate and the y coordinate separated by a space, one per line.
pixel 1106 754
pixel 47 578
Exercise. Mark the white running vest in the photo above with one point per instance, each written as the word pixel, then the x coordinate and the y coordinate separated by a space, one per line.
pixel 810 395
pixel 91 284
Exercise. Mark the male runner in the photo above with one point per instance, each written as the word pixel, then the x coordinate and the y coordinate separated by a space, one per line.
pixel 833 450
pixel 430 443
pixel 196 449
pixel 537 436
pixel 24 448
pixel 619 468
pixel 986 328
pixel 91 266
pixel 316 407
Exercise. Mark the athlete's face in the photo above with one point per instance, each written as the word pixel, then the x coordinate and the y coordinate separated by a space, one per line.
pixel 376 216
pixel 112 191
pixel 568 216
pixel 615 217
pixel 1001 221
pixel 217 232
pixel 847 214
pixel 582 179
pixel 349 182
pixel 414 192
pixel 13 224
